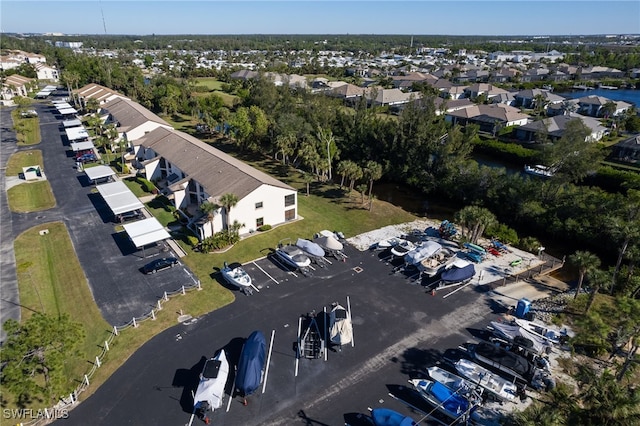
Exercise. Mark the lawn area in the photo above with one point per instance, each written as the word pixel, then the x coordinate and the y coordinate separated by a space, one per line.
pixel 30 197
pixel 51 280
pixel 27 129
pixel 215 86
pixel 162 209
pixel 21 159
pixel 136 186
pixel 210 82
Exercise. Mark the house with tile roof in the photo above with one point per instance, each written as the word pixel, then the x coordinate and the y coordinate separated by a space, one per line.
pixel 592 105
pixel 554 128
pixel 627 150
pixel 477 89
pixel 488 117
pixel 191 172
pixel 389 97
pixel 526 98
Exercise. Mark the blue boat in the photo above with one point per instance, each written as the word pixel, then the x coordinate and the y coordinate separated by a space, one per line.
pixel 387 417
pixel 475 248
pixel 251 364
pixel 460 271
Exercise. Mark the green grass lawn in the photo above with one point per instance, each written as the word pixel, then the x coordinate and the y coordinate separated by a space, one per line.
pixel 30 197
pixel 27 129
pixel 135 186
pixel 210 82
pixel 21 159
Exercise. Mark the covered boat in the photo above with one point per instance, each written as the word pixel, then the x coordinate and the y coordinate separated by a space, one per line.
pixel 388 243
pixel 251 364
pixel 507 364
pixel 445 400
pixel 402 248
pixel 499 387
pixel 520 336
pixel 331 246
pixel 293 256
pixel 310 247
pixel 459 271
pixel 436 263
pixel 340 326
pixel 423 251
pixel 213 379
pixel 236 276
pixel 387 417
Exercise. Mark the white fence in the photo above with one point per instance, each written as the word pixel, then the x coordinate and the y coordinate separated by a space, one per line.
pixel 67 403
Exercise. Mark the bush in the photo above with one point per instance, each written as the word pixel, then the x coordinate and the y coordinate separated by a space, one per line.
pixel 503 233
pixel 192 240
pixel 511 152
pixel 264 228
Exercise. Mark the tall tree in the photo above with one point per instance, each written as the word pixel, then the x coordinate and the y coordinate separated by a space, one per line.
pixel 584 261
pixel 209 209
pixel 372 171
pixel 474 220
pixel 34 356
pixel 596 279
pixel 326 138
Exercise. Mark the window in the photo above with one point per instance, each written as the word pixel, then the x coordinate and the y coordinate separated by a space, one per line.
pixel 259 222
pixel 289 200
pixel 290 214
pixel 259 205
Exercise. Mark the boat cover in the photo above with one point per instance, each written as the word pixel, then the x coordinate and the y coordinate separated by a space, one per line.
pixel 310 247
pixel 426 250
pixel 329 242
pixel 510 332
pixel 251 363
pixel 450 401
pixel 341 329
pixel 504 359
pixel 455 274
pixel 212 382
pixel 387 417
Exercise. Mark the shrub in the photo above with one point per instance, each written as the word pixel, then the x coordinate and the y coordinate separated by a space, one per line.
pixel 264 228
pixel 192 240
pixel 503 233
pixel 146 185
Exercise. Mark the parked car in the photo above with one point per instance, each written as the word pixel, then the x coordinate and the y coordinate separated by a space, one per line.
pixel 29 113
pixel 159 265
pixel 129 216
pixel 87 158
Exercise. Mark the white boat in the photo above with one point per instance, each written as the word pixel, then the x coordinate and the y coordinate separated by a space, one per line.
pixel 340 326
pixel 236 276
pixel 499 387
pixel 213 379
pixel 293 256
pixel 388 243
pixel 548 333
pixel 538 170
pixel 449 400
pixel 403 247
pixel 433 265
pixel 423 251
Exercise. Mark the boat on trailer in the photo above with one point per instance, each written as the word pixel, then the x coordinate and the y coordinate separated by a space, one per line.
pixel 388 417
pixel 293 256
pixel 213 379
pixel 251 364
pixel 238 277
pixel 450 402
pixel 433 265
pixel 311 345
pixel 402 248
pixel 548 333
pixel 497 386
pixel 340 326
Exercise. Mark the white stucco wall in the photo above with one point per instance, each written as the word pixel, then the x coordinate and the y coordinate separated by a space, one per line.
pixel 272 210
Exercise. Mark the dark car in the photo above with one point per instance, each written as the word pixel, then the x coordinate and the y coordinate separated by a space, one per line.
pixel 129 216
pixel 159 265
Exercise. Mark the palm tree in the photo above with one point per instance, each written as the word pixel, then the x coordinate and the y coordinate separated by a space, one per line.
pixel 597 279
pixel 228 201
pixel 584 261
pixel 326 138
pixel 307 178
pixel 210 210
pixel 474 220
pixel 372 171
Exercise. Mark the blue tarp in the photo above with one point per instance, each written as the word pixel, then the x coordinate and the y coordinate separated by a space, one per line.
pixel 452 402
pixel 455 275
pixel 251 364
pixel 387 417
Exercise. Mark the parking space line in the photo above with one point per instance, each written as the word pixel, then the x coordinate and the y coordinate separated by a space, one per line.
pixel 265 272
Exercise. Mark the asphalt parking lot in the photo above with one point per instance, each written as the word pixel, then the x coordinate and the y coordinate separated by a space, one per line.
pixel 110 261
pixel 399 329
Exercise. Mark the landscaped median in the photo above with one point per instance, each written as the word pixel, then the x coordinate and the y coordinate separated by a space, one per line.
pixel 27 128
pixel 28 196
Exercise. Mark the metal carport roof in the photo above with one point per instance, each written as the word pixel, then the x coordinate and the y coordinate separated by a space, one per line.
pixel 71 123
pixel 119 198
pixel 81 146
pixel 67 111
pixel 77 133
pixel 99 172
pixel 146 231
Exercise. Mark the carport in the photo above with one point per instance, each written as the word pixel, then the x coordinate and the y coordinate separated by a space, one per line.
pixel 67 111
pixel 145 232
pixel 119 198
pixel 77 134
pixel 71 123
pixel 99 172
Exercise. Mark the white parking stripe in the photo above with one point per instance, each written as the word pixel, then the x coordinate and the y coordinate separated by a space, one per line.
pixel 265 272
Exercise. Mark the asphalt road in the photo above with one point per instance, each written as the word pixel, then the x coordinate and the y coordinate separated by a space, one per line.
pixel 399 330
pixel 110 261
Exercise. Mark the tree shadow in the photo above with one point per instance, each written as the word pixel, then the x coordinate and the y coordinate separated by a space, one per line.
pixel 414 361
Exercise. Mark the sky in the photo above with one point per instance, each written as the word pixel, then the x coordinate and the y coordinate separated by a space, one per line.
pixel 425 17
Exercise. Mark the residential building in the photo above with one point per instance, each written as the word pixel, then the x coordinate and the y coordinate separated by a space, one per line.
pixel 592 105
pixel 16 85
pixel 627 150
pixel 95 91
pixel 191 172
pixel 554 128
pixel 46 72
pixel 489 118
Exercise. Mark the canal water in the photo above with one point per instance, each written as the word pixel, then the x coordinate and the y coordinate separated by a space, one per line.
pixel 627 95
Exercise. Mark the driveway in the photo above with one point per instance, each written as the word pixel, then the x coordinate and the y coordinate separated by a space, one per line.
pixel 399 329
pixel 110 262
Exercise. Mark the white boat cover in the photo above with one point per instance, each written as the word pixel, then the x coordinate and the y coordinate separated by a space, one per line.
pixel 310 247
pixel 341 328
pixel 509 331
pixel 212 382
pixel 329 242
pixel 424 251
